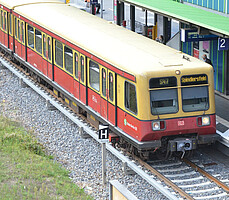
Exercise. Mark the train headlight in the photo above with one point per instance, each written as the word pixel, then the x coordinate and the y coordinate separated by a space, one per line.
pixel 158 125
pixel 203 121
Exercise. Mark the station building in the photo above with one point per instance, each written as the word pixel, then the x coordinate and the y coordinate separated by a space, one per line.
pixel 203 29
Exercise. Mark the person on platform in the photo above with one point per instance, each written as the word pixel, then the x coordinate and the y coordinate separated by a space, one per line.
pixel 206 59
pixel 160 39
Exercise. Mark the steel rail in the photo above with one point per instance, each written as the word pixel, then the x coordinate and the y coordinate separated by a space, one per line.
pixel 92 133
pixel 206 174
pixel 163 178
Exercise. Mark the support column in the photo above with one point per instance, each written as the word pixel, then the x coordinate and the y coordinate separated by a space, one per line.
pixel 132 18
pixel 166 29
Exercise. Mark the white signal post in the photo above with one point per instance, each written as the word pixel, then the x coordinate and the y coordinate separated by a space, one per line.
pixel 103 136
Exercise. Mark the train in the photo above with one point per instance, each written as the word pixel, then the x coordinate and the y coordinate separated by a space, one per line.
pixel 154 99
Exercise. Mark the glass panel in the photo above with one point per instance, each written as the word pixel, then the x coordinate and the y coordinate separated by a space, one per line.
pixel 49 49
pixel 5 20
pixel 59 53
pixel 10 23
pixel 19 30
pixel 164 101
pixel 130 97
pixel 44 46
pixel 104 78
pixel 195 98
pixel 68 59
pixel 94 75
pixel 15 26
pixel 38 41
pixel 22 32
pixel 76 65
pixel 30 36
pixel 111 83
pixel 82 69
pixel 2 19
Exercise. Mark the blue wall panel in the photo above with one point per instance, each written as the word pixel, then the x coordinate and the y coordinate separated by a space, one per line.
pixel 210 4
pixel 215 6
pixel 205 4
pixel 221 5
pixel 200 2
pixel 194 1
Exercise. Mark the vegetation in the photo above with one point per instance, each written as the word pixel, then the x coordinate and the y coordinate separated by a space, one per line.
pixel 26 172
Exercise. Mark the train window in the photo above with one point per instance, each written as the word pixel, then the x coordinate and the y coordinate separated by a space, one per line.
pixel 104 82
pixel 38 41
pixel 130 97
pixel 68 59
pixel 2 19
pixel 5 20
pixel 195 98
pixel 59 53
pixel 15 26
pixel 94 75
pixel 10 23
pixel 76 65
pixel 164 101
pixel 49 49
pixel 82 68
pixel 19 30
pixel 31 36
pixel 22 32
pixel 111 86
pixel 44 45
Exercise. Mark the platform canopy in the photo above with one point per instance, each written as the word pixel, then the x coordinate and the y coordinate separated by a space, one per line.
pixel 216 23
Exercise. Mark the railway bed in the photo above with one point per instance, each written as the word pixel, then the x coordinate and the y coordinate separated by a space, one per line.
pixel 69 143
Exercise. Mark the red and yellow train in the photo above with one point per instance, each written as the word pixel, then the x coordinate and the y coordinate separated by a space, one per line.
pixel 154 98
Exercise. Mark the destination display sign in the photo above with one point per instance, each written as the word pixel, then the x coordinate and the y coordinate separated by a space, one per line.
pixel 192 35
pixel 162 82
pixel 194 79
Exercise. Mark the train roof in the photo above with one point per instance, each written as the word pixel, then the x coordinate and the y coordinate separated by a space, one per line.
pixel 11 4
pixel 116 45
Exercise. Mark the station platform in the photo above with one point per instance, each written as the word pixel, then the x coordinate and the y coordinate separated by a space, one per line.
pixel 222 122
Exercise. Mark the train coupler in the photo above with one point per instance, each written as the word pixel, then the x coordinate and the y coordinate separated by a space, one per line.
pixel 182 144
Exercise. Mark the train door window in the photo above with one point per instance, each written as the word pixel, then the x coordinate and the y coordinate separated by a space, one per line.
pixel 19 30
pixel 49 48
pixel 104 82
pixel 68 59
pixel 111 86
pixel 30 36
pixel 2 19
pixel 38 41
pixel 94 75
pixel 44 39
pixel 82 68
pixel 10 23
pixel 130 97
pixel 15 27
pixel 59 53
pixel 22 32
pixel 5 20
pixel 76 65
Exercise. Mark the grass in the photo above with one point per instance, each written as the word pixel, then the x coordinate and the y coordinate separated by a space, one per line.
pixel 26 172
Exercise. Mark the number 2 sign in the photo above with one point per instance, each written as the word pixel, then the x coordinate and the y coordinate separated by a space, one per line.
pixel 223 44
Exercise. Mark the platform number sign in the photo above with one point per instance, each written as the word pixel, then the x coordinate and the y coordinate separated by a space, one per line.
pixel 103 132
pixel 223 44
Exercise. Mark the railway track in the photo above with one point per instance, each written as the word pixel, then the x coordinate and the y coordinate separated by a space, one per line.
pixel 187 180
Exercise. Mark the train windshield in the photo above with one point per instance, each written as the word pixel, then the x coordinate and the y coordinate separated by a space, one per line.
pixel 195 98
pixel 164 101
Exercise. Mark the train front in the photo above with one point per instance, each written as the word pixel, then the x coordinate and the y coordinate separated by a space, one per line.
pixel 182 109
